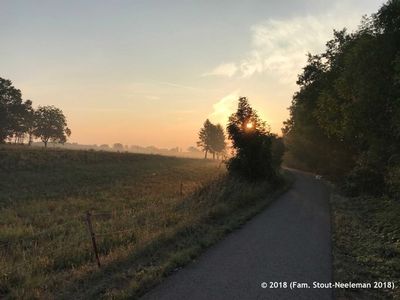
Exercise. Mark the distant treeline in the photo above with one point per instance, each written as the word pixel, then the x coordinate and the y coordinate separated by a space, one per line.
pixel 345 119
pixel 19 121
pixel 119 147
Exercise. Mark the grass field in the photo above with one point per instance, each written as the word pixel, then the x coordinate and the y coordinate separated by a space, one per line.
pixel 366 245
pixel 145 228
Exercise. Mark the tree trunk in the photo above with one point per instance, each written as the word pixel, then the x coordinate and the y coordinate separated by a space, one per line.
pixel 205 154
pixel 45 144
pixel 213 155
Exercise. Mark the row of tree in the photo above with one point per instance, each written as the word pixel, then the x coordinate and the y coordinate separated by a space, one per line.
pixel 19 121
pixel 348 106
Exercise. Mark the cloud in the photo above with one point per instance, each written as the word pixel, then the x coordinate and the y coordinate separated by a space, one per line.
pixel 224 108
pixel 223 70
pixel 279 46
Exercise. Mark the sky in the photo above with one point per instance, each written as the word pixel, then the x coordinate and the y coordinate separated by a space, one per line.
pixel 150 72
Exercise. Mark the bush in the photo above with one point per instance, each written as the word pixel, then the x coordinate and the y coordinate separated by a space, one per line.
pixel 252 143
pixel 254 161
pixel 364 179
pixel 277 151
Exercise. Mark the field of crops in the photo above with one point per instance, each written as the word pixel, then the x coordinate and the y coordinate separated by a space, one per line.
pixel 150 214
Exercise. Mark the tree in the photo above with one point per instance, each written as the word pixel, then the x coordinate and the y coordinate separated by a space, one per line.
pixel 251 141
pixel 29 120
pixel 24 122
pixel 174 150
pixel 348 105
pixel 193 149
pixel 217 140
pixel 205 137
pixel 212 139
pixel 118 147
pixel 11 107
pixel 277 150
pixel 51 125
pixel 18 119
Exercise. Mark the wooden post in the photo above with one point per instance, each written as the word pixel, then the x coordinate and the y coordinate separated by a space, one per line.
pixel 181 191
pixel 93 237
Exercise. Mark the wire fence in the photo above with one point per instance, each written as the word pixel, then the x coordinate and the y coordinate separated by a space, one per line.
pixel 81 231
pixel 28 244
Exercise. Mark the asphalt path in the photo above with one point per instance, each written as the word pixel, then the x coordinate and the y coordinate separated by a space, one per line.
pixel 290 241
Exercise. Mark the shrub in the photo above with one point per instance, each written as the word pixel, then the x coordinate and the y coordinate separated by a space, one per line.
pixel 364 179
pixel 252 143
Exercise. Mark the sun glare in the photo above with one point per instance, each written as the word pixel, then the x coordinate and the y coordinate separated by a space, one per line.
pixel 249 125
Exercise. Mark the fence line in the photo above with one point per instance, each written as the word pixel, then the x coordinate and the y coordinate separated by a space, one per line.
pixel 93 237
pixel 79 216
pixel 27 261
pixel 181 190
pixel 35 235
pixel 84 218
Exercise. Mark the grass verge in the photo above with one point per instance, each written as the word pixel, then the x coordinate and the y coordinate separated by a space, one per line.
pixel 221 207
pixel 366 245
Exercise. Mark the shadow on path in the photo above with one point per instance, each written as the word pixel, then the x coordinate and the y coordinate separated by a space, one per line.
pixel 289 241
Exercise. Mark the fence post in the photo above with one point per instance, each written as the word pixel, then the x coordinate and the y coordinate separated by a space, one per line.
pixel 93 237
pixel 181 191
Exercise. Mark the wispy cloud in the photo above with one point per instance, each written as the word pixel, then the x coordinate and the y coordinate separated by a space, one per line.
pixel 279 46
pixel 223 70
pixel 224 108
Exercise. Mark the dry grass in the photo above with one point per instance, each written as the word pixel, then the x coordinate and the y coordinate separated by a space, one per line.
pixel 45 251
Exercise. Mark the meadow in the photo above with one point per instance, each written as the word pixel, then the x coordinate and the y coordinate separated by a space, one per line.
pixel 151 215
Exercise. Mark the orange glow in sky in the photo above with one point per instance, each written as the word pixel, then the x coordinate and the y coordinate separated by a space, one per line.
pixel 151 72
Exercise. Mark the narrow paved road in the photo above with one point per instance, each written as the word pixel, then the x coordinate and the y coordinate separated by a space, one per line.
pixel 289 241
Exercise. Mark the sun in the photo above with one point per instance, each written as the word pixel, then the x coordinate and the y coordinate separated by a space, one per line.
pixel 249 125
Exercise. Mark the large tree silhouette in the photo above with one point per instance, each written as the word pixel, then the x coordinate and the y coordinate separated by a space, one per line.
pixel 218 143
pixel 51 125
pixel 211 139
pixel 251 140
pixel 204 141
pixel 348 106
pixel 18 118
pixel 11 110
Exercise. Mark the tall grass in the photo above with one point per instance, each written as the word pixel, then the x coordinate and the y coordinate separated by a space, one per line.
pixel 144 227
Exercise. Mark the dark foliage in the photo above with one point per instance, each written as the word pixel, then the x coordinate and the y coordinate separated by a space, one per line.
pixel 50 125
pixel 345 119
pixel 212 139
pixel 18 119
pixel 252 143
